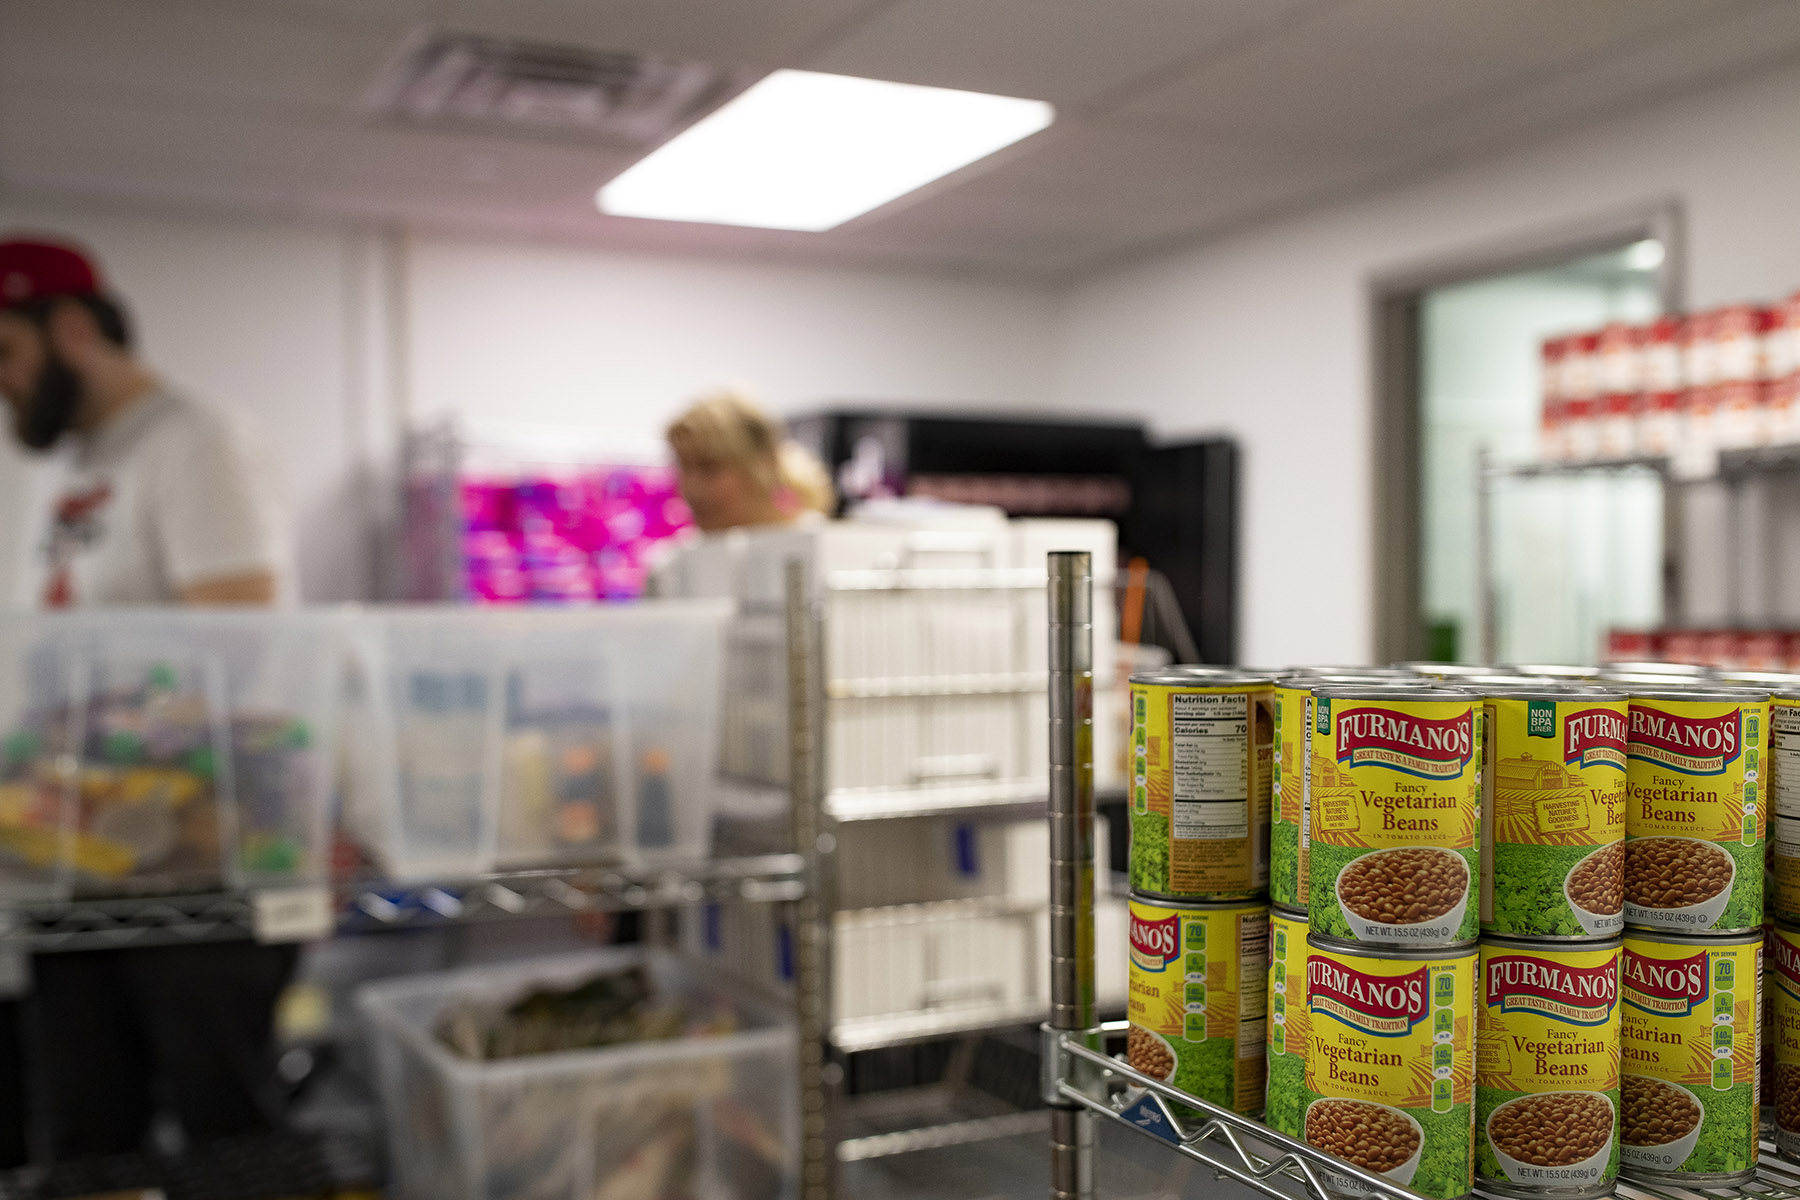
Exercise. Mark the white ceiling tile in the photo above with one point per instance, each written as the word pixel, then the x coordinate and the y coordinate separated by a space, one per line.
pixel 236 58
pixel 1068 52
pixel 1365 72
pixel 766 33
pixel 396 166
pixel 58 144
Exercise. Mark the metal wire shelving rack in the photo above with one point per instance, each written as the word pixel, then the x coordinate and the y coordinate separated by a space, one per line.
pixel 1084 1085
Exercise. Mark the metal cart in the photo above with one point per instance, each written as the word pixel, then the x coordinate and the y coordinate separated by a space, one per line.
pixel 1090 1091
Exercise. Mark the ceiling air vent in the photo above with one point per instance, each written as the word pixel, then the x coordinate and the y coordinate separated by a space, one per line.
pixel 460 79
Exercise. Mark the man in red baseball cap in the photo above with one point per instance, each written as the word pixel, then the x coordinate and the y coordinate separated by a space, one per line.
pixel 160 501
pixel 144 458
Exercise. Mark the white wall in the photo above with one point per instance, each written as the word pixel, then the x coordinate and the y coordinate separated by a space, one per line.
pixel 554 334
pixel 326 340
pixel 1267 335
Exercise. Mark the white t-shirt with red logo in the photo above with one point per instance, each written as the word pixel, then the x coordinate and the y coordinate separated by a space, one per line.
pixel 166 495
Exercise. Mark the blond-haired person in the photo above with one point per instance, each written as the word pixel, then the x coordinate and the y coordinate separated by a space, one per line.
pixel 739 468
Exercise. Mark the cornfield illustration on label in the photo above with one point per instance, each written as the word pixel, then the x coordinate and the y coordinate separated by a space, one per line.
pixel 1394 820
pixel 1287 1022
pixel 1554 825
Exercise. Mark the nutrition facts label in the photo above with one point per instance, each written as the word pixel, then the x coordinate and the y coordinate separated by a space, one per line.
pixel 1210 765
pixel 1784 724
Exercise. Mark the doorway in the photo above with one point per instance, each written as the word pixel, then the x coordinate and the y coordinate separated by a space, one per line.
pixel 1554 559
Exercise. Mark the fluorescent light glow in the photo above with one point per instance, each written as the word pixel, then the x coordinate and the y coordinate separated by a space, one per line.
pixel 801 150
pixel 1646 255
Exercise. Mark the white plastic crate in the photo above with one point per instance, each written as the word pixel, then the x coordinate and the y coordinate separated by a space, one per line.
pixel 532 737
pixel 710 1118
pixel 161 750
pixel 951 956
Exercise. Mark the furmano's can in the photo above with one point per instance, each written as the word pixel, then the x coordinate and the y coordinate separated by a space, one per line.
pixel 1287 860
pixel 1547 1068
pixel 1781 1033
pixel 1784 751
pixel 1202 752
pixel 1289 809
pixel 1553 831
pixel 1781 888
pixel 1695 809
pixel 1395 815
pixel 1390 1062
pixel 1688 1042
pixel 1198 990
pixel 1287 1021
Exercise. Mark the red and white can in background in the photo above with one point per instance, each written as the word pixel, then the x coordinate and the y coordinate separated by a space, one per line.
pixel 1552 443
pixel 1738 336
pixel 1781 363
pixel 1762 650
pixel 1659 374
pixel 1617 370
pixel 1682 645
pixel 1581 396
pixel 1699 374
pixel 1632 645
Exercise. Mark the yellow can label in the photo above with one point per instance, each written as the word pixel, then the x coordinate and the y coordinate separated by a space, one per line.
pixel 1781 1028
pixel 1547 1059
pixel 1198 980
pixel 1390 1065
pixel 1695 814
pixel 1555 820
pixel 1287 1022
pixel 1200 798
pixel 1395 820
pixel 1784 755
pixel 1688 1044
pixel 1287 852
pixel 1783 883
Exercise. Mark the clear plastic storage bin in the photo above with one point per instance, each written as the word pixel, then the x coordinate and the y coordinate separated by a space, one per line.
pixel 157 751
pixel 526 738
pixel 708 1118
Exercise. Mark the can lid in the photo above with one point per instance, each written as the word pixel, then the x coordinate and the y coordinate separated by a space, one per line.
pixel 1543 689
pixel 1723 695
pixel 1780 683
pixel 1344 946
pixel 1387 691
pixel 1312 679
pixel 1223 677
pixel 1538 945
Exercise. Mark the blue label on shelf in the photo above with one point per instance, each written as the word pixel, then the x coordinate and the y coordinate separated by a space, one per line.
pixel 709 918
pixel 1148 1114
pixel 784 952
pixel 968 863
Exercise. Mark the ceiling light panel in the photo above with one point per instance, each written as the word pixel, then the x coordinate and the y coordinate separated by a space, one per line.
pixel 807 151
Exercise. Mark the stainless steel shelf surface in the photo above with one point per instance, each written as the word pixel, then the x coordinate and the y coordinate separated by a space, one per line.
pixel 1586 466
pixel 886 804
pixel 1238 1148
pixel 894 1029
pixel 313 911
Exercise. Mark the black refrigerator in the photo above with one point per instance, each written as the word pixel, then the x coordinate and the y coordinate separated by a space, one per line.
pixel 1176 503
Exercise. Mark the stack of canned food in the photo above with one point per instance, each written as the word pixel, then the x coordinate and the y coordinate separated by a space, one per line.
pixel 1514 915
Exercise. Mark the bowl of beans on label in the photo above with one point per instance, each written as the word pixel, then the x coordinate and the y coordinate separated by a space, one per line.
pixel 1412 893
pixel 1560 1138
pixel 1595 889
pixel 1677 882
pixel 1661 1123
pixel 1381 1140
pixel 1149 1052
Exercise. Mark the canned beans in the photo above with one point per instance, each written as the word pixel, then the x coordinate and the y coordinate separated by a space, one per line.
pixel 1406 886
pixel 1657 1113
pixel 1553 1130
pixel 1373 1136
pixel 1598 883
pixel 1688 1052
pixel 1286 1051
pixel 1667 872
pixel 1781 1033
pixel 1148 1053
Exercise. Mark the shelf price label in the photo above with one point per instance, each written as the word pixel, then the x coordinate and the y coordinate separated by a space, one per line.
pixel 292 914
